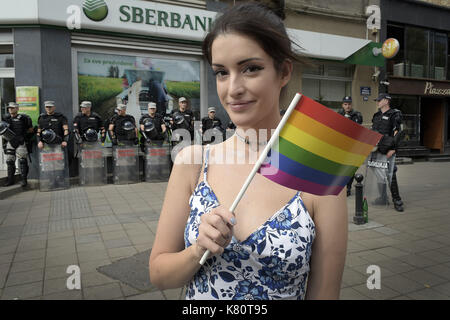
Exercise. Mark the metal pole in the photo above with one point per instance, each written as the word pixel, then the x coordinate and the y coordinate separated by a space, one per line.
pixel 359 214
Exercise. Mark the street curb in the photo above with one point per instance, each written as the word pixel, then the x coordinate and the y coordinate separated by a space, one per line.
pixel 403 160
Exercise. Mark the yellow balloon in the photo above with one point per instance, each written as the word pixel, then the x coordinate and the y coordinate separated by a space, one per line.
pixel 390 48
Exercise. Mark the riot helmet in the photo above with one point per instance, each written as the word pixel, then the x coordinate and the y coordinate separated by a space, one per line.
pixel 5 131
pixel 150 129
pixel 91 135
pixel 178 118
pixel 128 126
pixel 149 125
pixel 3 127
pixel 48 136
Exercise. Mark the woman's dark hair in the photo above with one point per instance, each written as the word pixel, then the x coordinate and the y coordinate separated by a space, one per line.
pixel 257 22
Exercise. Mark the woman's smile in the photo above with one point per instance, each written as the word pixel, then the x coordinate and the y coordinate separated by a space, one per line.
pixel 240 106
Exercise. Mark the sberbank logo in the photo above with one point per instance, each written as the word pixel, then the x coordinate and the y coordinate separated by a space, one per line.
pixel 96 10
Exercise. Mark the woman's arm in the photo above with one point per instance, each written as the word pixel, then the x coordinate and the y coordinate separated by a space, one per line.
pixel 171 265
pixel 330 246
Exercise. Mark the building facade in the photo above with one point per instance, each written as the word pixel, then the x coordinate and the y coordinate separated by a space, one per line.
pixel 107 51
pixel 419 75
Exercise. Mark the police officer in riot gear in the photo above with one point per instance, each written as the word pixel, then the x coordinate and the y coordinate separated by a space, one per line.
pixel 123 129
pixel 188 115
pixel 87 124
pixel 52 127
pixel 348 112
pixel 211 122
pixel 152 126
pixel 388 122
pixel 16 130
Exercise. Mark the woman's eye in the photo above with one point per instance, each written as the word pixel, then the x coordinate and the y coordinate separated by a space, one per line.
pixel 219 73
pixel 251 69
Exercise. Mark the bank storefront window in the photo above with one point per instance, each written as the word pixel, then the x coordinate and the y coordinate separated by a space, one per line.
pixel 327 83
pixel 409 106
pixel 108 79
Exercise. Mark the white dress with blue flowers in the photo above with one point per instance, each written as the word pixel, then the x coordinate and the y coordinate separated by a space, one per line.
pixel 272 263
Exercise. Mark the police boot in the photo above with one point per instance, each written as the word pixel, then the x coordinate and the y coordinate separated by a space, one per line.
pixel 11 171
pixel 23 165
pixel 398 203
pixel 382 199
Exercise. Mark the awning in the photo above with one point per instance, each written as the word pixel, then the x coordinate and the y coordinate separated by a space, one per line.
pixel 324 45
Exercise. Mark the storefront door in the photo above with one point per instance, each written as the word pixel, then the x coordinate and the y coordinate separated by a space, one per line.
pixel 432 123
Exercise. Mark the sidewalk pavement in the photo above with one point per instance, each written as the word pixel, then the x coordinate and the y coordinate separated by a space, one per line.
pixel 108 231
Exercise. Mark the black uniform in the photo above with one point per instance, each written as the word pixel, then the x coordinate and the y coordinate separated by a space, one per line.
pixel 54 122
pixel 120 132
pixel 355 116
pixel 208 123
pixel 18 145
pixel 387 124
pixel 187 124
pixel 20 125
pixel 158 121
pixel 82 122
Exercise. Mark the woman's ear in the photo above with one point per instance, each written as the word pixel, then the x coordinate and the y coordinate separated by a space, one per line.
pixel 286 72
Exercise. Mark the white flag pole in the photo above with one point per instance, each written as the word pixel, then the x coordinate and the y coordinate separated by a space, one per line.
pixel 261 159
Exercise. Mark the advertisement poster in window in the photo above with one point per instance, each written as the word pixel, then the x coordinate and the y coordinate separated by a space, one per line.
pixel 106 79
pixel 28 100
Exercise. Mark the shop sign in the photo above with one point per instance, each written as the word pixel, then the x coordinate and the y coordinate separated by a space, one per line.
pixel 126 16
pixel 432 89
pixel 419 87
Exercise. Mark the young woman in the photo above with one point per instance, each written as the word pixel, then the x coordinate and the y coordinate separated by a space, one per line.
pixel 279 243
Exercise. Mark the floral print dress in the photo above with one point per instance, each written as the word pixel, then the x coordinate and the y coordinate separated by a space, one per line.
pixel 272 263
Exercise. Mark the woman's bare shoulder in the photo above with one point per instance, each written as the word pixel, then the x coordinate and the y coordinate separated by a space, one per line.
pixel 315 204
pixel 187 165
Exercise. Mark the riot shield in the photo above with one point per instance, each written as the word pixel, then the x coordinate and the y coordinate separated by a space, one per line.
pixel 377 179
pixel 54 169
pixel 92 162
pixel 125 164
pixel 157 162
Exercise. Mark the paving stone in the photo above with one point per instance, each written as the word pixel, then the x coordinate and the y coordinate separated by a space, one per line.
pixel 103 292
pixel 86 256
pixel 65 295
pixel 443 289
pixel 384 293
pixel 24 291
pixel 117 243
pixel 58 285
pixel 62 260
pixel 424 277
pixel 30 255
pixel 155 295
pixel 94 279
pixel 351 294
pixel 401 284
pixel 88 238
pixel 27 265
pixel 428 294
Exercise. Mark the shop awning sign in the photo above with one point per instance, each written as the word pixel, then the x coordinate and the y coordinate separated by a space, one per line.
pixel 116 16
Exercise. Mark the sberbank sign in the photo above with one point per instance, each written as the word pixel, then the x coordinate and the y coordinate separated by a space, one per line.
pixel 162 18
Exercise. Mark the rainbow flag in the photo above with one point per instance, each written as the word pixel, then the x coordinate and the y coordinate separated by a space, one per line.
pixel 318 150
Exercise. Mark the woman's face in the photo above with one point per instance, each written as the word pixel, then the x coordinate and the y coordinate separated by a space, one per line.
pixel 248 84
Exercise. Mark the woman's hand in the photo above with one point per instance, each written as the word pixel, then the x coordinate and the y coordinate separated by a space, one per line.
pixel 215 231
